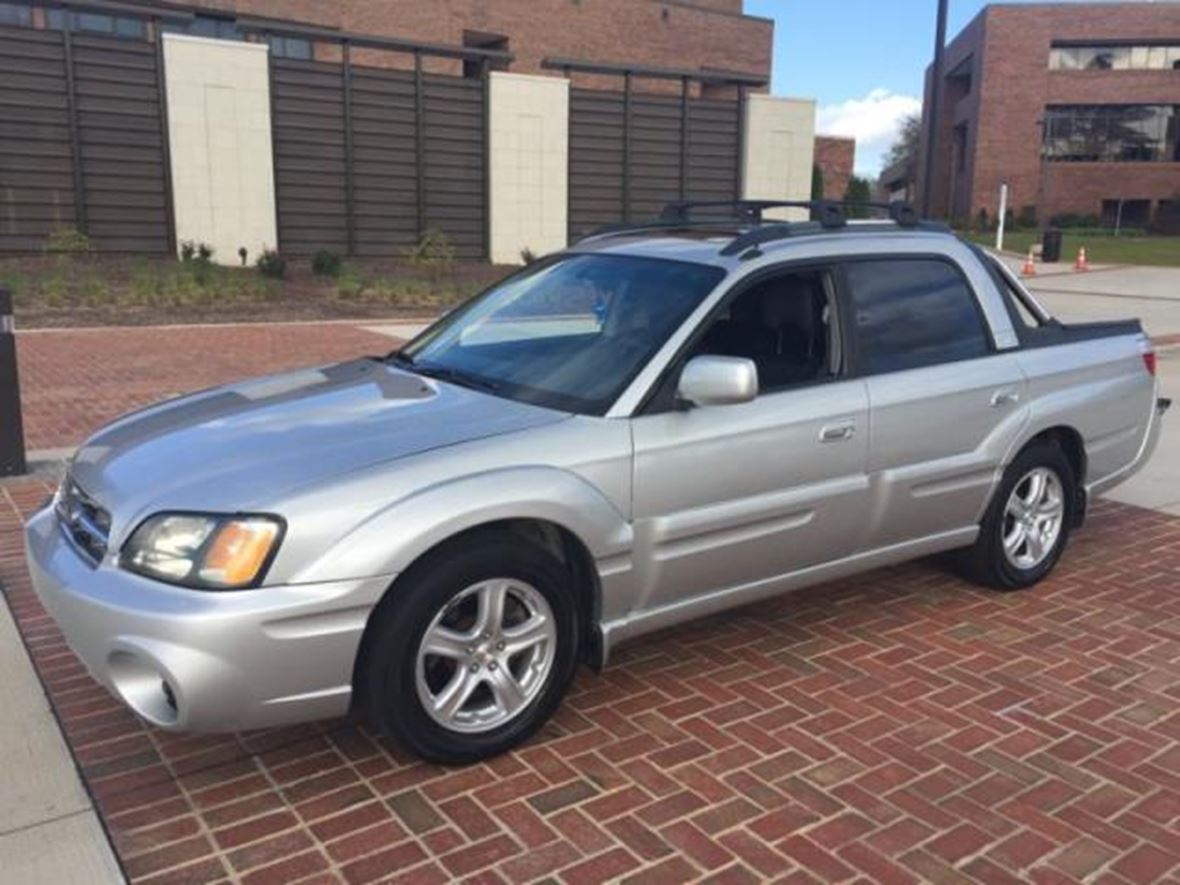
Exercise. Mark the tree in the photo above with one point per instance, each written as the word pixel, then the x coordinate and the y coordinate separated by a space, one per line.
pixel 817 182
pixel 859 191
pixel 905 145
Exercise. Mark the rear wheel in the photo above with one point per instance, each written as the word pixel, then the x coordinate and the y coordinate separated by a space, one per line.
pixel 474 650
pixel 1027 524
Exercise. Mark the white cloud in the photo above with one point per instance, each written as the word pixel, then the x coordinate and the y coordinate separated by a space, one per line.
pixel 873 121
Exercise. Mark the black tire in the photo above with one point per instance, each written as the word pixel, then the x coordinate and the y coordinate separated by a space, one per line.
pixel 388 688
pixel 985 562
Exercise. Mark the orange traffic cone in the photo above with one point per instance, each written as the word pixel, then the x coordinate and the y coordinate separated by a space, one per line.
pixel 1028 270
pixel 1081 264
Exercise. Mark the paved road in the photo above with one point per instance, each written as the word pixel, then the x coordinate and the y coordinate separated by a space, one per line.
pixel 1153 295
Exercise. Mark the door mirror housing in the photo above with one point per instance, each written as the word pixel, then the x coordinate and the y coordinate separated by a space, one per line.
pixel 718 381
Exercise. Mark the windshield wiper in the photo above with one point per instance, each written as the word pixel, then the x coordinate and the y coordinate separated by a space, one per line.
pixel 462 379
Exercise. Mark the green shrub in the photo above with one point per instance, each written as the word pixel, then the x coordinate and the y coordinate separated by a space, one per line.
pixel 527 255
pixel 271 264
pixel 68 241
pixel 326 263
pixel 434 249
pixel 349 284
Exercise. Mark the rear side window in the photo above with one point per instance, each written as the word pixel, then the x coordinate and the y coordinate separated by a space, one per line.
pixel 912 312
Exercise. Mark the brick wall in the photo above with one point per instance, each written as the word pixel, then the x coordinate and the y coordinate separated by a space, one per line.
pixel 1012 86
pixel 835 157
pixel 673 33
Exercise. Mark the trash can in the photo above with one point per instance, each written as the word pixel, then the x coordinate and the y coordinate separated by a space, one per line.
pixel 1051 245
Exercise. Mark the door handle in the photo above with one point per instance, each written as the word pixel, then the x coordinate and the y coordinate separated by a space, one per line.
pixel 837 432
pixel 1005 398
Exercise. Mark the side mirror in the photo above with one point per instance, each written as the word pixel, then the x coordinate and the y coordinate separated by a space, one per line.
pixel 718 381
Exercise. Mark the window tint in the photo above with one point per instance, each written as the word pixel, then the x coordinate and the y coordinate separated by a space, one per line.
pixel 15 14
pixel 96 23
pixel 782 323
pixel 912 312
pixel 290 47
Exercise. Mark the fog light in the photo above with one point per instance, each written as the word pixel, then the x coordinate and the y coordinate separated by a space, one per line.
pixel 144 687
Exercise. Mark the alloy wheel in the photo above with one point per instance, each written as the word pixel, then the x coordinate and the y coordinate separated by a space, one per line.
pixel 486 655
pixel 1033 518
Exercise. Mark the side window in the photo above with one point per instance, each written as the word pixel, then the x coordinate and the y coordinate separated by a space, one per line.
pixel 785 323
pixel 912 312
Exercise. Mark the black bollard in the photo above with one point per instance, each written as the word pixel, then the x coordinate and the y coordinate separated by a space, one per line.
pixel 12 434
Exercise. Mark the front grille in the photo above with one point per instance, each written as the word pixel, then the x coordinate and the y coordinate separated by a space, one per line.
pixel 84 522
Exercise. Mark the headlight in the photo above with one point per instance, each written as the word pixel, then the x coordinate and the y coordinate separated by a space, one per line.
pixel 199 550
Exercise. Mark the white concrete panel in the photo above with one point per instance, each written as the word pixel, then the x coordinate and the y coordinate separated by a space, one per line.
pixel 39 781
pixel 64 851
pixel 528 165
pixel 220 140
pixel 779 151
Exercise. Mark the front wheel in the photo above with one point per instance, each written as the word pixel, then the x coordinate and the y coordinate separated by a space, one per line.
pixel 473 650
pixel 1027 524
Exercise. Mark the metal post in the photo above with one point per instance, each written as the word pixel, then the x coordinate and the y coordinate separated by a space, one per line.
pixel 683 137
pixel 935 107
pixel 12 435
pixel 420 142
pixel 349 197
pixel 1003 214
pixel 627 146
pixel 80 221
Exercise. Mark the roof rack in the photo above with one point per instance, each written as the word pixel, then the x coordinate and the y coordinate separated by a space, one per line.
pixel 829 213
pixel 752 230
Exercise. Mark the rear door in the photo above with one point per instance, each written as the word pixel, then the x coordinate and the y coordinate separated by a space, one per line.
pixel 944 403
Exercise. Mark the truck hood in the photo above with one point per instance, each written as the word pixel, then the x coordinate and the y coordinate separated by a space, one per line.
pixel 240 447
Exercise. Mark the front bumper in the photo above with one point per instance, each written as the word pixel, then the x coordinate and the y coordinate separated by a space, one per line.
pixel 200 660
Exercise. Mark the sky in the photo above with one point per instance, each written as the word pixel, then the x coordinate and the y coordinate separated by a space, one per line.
pixel 862 60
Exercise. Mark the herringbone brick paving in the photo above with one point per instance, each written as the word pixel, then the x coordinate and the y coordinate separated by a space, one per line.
pixel 73 380
pixel 900 726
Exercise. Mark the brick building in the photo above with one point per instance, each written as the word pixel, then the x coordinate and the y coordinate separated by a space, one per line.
pixel 835 156
pixel 1075 106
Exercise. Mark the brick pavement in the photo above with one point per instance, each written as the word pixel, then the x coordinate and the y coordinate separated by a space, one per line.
pixel 895 727
pixel 75 380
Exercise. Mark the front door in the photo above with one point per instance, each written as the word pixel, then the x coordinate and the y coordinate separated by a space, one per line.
pixel 727 497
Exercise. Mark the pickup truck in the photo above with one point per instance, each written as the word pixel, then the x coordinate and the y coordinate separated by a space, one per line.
pixel 659 423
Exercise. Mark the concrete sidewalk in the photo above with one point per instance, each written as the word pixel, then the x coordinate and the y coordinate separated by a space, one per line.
pixel 49 831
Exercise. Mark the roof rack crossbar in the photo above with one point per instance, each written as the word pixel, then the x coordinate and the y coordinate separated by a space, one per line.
pixel 829 213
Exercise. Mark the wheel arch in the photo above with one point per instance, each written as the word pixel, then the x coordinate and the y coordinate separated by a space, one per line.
pixel 559 540
pixel 1073 446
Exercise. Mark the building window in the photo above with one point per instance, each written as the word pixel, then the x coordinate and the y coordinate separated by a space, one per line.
pixel 1128 57
pixel 96 23
pixel 15 14
pixel 1126 213
pixel 207 26
pixel 290 47
pixel 1112 133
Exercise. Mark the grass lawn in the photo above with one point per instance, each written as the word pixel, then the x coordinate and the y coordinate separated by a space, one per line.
pixel 1100 249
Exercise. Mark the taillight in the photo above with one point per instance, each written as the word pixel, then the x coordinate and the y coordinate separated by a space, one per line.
pixel 1149 361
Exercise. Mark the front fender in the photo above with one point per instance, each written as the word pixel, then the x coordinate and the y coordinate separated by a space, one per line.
pixel 397 535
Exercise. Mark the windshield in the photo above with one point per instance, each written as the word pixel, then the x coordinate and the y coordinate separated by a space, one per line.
pixel 569 333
